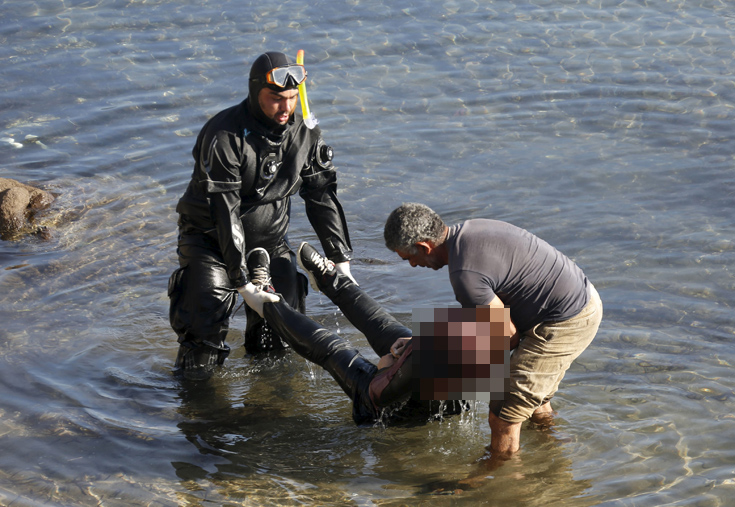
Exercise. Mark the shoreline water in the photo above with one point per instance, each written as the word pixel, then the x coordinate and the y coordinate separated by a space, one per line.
pixel 601 126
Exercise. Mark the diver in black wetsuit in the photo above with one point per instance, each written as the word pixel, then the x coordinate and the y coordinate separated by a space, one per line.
pixel 249 160
pixel 371 388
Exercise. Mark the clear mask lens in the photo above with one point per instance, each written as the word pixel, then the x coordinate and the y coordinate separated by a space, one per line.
pixel 280 75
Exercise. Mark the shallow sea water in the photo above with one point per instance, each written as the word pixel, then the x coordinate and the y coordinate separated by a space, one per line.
pixel 603 126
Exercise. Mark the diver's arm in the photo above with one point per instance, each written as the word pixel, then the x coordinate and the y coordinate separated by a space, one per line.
pixel 319 191
pixel 224 203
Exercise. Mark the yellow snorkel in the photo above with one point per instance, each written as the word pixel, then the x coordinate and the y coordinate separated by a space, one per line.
pixel 309 119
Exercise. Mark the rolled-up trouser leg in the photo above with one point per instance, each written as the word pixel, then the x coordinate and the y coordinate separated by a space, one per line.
pixel 291 285
pixel 379 327
pixel 344 363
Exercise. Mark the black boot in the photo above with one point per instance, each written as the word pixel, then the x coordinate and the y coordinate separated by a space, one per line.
pixel 197 361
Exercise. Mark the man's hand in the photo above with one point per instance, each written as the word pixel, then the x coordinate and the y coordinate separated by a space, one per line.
pixel 247 290
pixel 399 346
pixel 343 268
pixel 255 297
pixel 515 338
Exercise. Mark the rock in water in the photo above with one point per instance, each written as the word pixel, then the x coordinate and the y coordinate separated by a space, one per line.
pixel 18 201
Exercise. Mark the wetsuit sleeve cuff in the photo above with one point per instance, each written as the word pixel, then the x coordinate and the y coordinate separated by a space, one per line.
pixel 240 280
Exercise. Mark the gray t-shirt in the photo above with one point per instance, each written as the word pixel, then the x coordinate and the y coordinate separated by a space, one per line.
pixel 536 281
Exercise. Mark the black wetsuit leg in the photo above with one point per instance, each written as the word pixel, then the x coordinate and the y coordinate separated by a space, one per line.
pixel 379 327
pixel 202 298
pixel 292 286
pixel 344 363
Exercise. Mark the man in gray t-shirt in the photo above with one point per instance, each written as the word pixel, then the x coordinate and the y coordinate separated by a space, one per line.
pixel 488 258
pixel 554 309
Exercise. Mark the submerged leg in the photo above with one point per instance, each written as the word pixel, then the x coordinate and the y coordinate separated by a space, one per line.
pixel 201 301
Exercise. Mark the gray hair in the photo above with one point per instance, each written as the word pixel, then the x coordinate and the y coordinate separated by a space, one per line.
pixel 411 223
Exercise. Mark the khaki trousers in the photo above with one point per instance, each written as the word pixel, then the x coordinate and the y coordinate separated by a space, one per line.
pixel 544 355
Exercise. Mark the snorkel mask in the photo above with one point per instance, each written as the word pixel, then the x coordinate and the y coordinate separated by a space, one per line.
pixel 289 76
pixel 276 71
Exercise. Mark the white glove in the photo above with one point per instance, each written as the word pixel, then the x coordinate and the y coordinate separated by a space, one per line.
pixel 343 268
pixel 255 297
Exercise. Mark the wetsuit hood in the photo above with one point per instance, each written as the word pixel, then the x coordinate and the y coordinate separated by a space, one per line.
pixel 261 66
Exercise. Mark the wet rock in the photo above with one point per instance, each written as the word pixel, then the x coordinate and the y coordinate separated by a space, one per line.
pixel 13 204
pixel 18 202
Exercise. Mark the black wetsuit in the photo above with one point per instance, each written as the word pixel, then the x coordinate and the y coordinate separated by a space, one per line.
pixel 371 390
pixel 239 199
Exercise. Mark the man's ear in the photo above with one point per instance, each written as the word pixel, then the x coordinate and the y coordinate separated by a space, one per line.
pixel 427 246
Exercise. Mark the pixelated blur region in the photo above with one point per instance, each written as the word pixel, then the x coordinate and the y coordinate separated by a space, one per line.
pixel 461 353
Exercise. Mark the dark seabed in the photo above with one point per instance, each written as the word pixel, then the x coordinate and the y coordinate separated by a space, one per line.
pixel 603 126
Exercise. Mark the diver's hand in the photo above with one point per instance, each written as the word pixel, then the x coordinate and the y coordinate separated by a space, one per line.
pixel 399 346
pixel 255 297
pixel 247 290
pixel 343 268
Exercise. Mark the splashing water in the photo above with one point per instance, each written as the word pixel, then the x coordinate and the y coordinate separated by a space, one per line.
pixel 469 413
pixel 312 370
